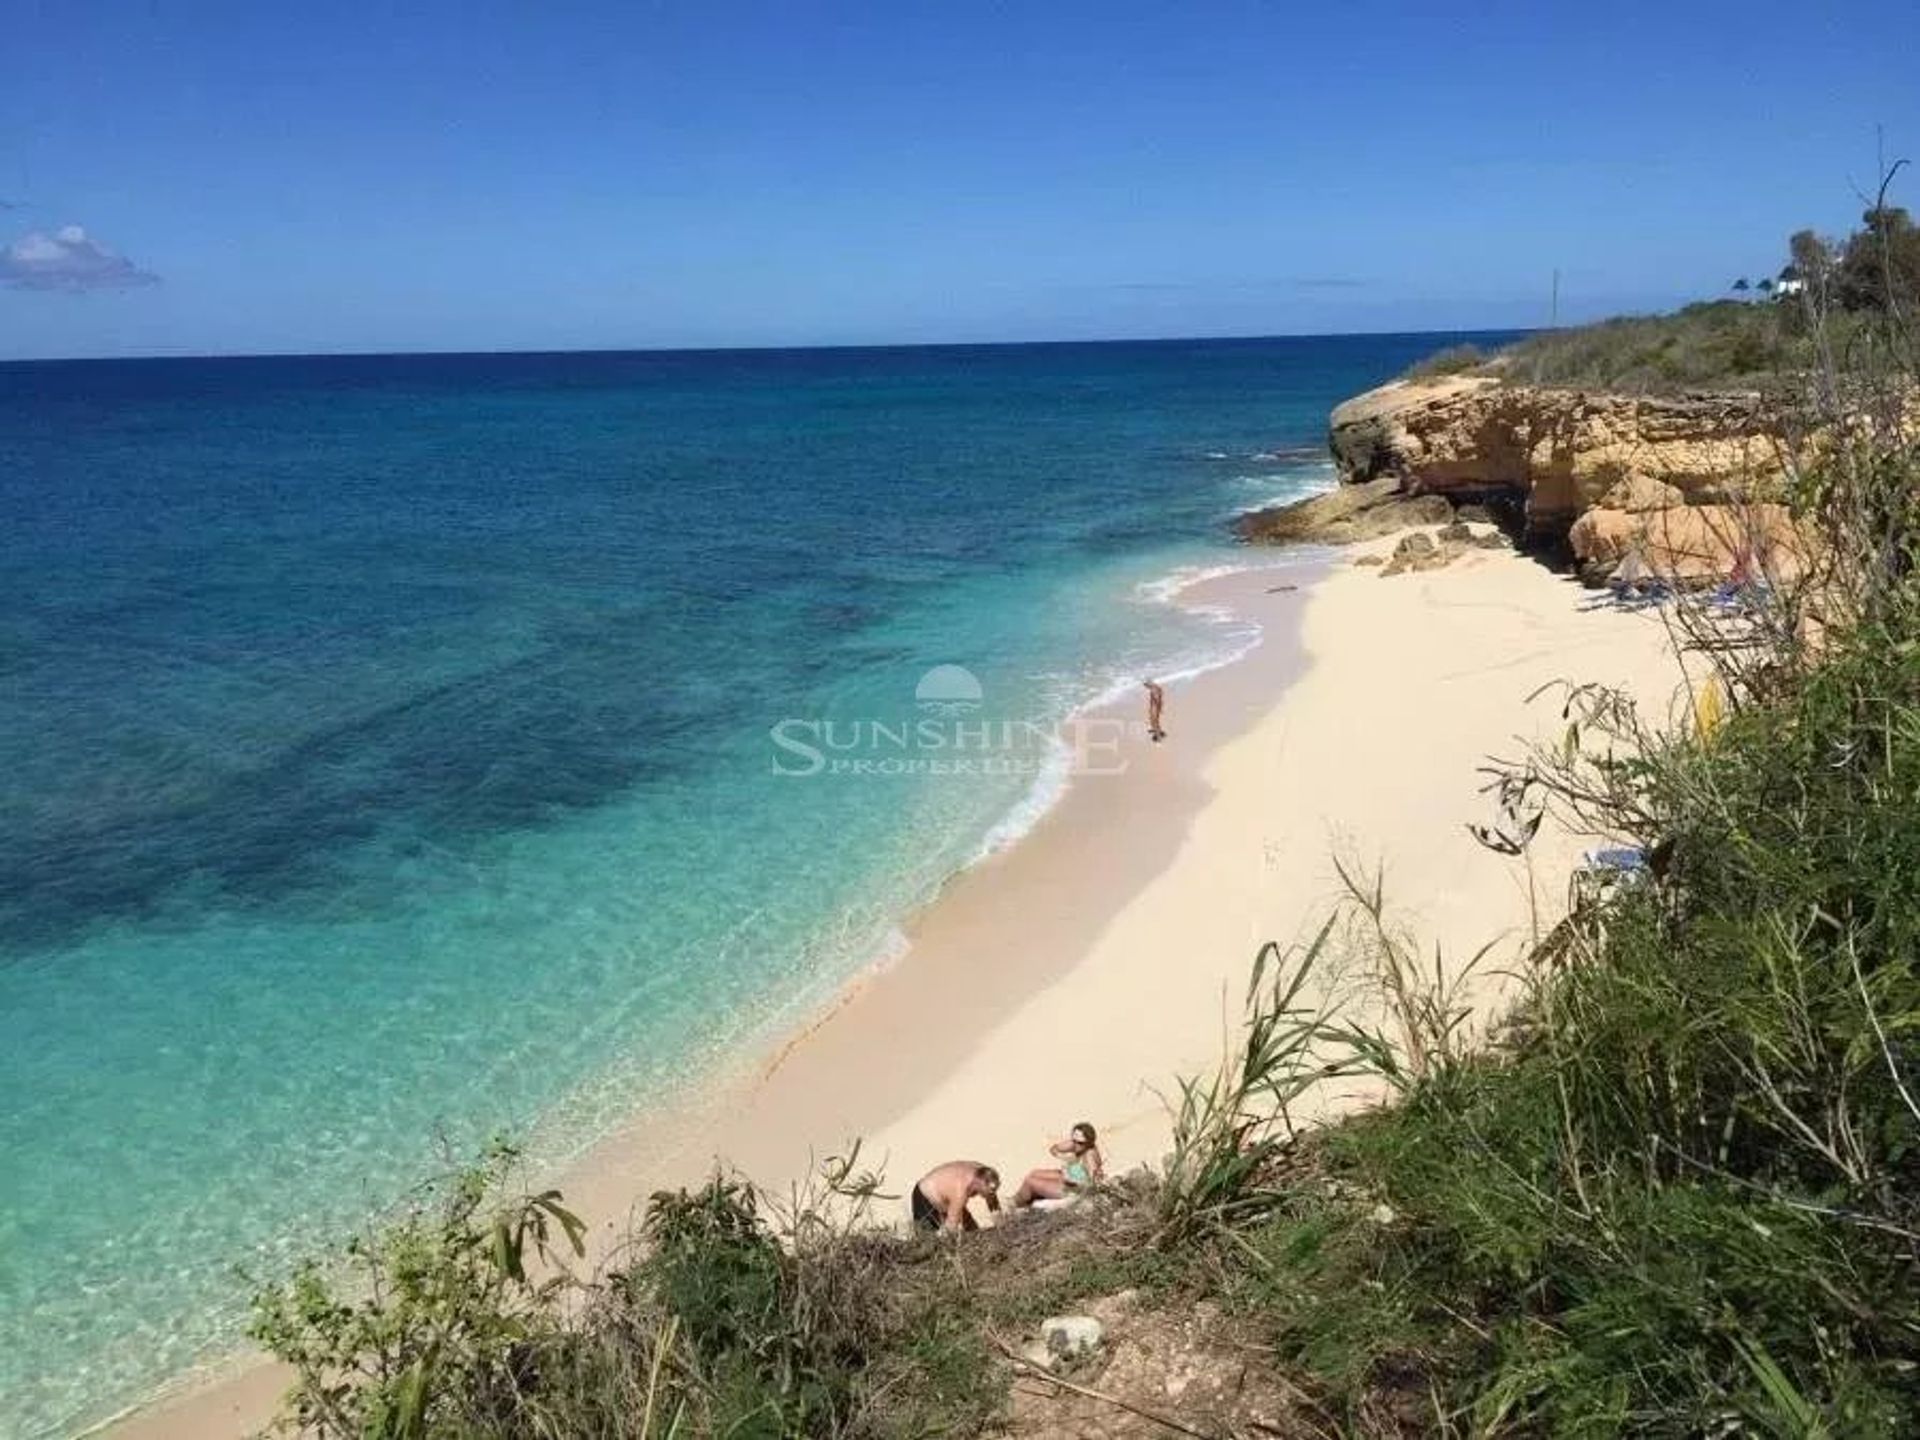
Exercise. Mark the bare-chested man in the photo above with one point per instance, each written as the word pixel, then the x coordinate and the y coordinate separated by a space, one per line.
pixel 1156 702
pixel 940 1199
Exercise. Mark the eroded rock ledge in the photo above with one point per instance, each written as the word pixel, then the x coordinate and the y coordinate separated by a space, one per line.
pixel 1690 482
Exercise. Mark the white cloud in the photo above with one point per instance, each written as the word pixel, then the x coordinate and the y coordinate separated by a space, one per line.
pixel 68 259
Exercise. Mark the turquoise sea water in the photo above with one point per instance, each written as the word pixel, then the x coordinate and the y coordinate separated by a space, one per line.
pixel 385 762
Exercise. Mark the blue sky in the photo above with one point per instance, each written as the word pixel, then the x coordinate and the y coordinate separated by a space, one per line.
pixel 265 177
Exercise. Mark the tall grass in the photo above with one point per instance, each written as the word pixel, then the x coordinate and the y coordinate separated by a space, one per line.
pixel 1453 360
pixel 1231 1128
pixel 1686 1198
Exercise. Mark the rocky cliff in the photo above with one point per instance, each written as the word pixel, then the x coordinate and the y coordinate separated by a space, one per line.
pixel 1688 481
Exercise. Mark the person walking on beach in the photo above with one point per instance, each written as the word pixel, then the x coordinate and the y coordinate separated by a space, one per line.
pixel 940 1196
pixel 1080 1166
pixel 1156 702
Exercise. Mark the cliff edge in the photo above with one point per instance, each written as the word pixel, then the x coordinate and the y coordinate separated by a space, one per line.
pixel 1689 481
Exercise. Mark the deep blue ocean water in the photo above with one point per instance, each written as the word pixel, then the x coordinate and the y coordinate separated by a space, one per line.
pixel 384 747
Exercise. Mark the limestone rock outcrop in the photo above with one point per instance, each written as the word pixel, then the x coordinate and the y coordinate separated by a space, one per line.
pixel 1689 544
pixel 1638 494
pixel 1421 551
pixel 1559 451
pixel 1690 482
pixel 1366 511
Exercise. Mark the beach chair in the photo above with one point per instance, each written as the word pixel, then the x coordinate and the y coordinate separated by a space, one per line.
pixel 1739 596
pixel 1647 595
pixel 1634 586
pixel 1743 591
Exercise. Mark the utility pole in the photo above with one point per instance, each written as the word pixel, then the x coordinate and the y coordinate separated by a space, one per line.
pixel 1553 313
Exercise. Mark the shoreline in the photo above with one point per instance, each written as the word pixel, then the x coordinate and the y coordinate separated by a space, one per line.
pixel 1018 1006
pixel 836 1077
pixel 666 1142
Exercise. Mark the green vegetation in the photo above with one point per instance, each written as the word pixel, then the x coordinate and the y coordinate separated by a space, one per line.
pixel 1716 343
pixel 1827 292
pixel 1684 1195
pixel 1681 1194
pixel 1678 1191
pixel 1454 360
pixel 1876 270
pixel 723 1319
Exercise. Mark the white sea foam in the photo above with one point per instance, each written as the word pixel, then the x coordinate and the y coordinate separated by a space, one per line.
pixel 1232 638
pixel 1047 790
pixel 863 942
pixel 1165 589
pixel 1299 483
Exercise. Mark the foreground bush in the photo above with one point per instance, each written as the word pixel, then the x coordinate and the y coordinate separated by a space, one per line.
pixel 1686 1198
pixel 458 1321
pixel 1682 1195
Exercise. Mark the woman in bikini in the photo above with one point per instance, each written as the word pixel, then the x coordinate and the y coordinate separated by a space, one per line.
pixel 1080 1166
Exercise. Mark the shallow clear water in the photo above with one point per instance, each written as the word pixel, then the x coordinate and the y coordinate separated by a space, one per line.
pixel 385 752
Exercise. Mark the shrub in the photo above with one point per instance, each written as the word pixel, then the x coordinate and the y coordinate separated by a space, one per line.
pixel 1716 343
pixel 457 1321
pixel 437 1316
pixel 1683 1194
pixel 1454 360
pixel 1684 1197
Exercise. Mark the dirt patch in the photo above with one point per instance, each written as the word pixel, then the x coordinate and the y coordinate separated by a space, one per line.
pixel 1162 1370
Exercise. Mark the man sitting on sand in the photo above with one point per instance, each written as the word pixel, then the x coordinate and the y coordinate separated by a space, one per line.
pixel 1080 1166
pixel 1156 702
pixel 940 1198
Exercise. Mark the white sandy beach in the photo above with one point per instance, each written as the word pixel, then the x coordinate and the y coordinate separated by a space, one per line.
pixel 1075 975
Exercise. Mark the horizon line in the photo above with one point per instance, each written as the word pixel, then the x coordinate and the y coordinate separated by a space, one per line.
pixel 756 348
